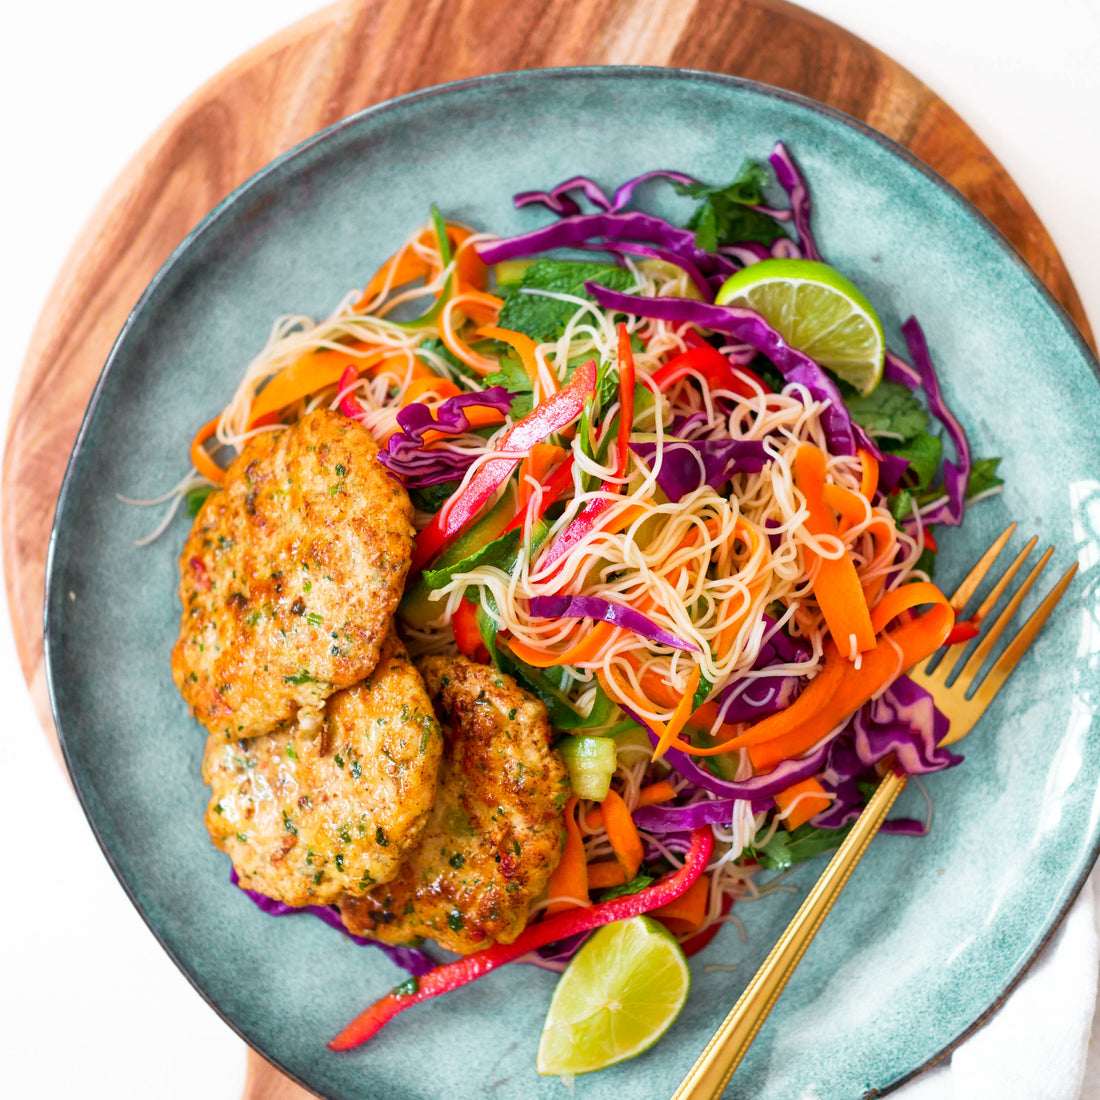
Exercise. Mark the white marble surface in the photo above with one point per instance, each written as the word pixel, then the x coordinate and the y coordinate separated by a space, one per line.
pixel 90 1005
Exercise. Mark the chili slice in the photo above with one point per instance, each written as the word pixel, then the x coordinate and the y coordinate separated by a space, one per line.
pixel 453 975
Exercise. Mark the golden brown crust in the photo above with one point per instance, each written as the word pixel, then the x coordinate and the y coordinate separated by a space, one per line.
pixel 333 806
pixel 290 576
pixel 496 831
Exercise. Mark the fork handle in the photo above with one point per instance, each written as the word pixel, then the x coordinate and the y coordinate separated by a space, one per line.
pixel 722 1055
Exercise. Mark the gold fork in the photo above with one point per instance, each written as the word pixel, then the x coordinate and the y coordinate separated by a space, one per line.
pixel 714 1067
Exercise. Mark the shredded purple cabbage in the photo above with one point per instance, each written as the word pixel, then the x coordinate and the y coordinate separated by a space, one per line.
pixel 418 466
pixel 600 610
pixel 750 328
pixel 557 198
pixel 707 287
pixel 558 201
pixel 689 464
pixel 408 958
pixel 955 477
pixel 793 182
pixel 634 225
pixel 903 721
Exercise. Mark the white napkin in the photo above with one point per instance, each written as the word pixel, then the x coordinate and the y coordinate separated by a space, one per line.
pixel 1036 1046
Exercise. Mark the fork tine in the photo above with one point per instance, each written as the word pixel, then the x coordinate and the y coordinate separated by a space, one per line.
pixel 997 591
pixel 977 658
pixel 1018 646
pixel 961 598
pixel 976 575
pixel 954 655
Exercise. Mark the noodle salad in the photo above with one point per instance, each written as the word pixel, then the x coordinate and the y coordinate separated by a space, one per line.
pixel 709 556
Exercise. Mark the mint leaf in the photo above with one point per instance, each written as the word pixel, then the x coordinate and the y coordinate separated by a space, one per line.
pixel 726 215
pixel 889 407
pixel 544 318
pixel 983 476
pixel 923 453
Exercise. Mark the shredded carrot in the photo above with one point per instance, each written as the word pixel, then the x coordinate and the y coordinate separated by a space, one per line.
pixel 813 699
pixel 470 272
pixel 868 480
pixel 526 349
pixel 584 650
pixel 443 387
pixel 605 874
pixel 655 793
pixel 201 459
pixel 402 267
pixel 622 834
pixel 570 877
pixel 622 692
pixel 687 912
pixel 902 599
pixel 680 715
pixel 836 584
pixel 801 801
pixel 540 460
pixel 661 791
pixel 480 306
pixel 899 649
pixel 449 333
pixel 853 509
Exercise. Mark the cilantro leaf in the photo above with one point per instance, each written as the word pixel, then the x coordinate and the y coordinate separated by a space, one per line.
pixel 544 318
pixel 785 849
pixel 726 215
pixel 889 407
pixel 511 374
pixel 983 476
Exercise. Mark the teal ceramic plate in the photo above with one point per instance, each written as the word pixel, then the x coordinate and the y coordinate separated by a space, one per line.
pixel 932 932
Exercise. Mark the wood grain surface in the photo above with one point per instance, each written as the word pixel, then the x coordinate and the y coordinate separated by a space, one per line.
pixel 341 60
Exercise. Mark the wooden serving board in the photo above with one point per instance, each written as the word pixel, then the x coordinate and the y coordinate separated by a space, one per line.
pixel 360 52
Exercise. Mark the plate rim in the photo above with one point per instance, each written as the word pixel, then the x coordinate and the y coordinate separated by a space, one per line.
pixel 456 87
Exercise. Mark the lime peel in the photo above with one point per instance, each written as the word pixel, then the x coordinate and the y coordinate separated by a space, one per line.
pixel 816 310
pixel 620 993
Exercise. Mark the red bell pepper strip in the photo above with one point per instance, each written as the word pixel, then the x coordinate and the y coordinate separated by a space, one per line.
pixel 962 632
pixel 555 487
pixel 450 976
pixel 558 411
pixel 715 368
pixel 626 401
pixel 588 517
pixel 467 635
pixel 350 405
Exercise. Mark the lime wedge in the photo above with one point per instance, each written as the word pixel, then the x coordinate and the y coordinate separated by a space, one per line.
pixel 816 310
pixel 618 996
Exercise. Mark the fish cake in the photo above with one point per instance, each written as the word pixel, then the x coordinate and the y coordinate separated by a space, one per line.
pixel 290 576
pixel 497 829
pixel 333 806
